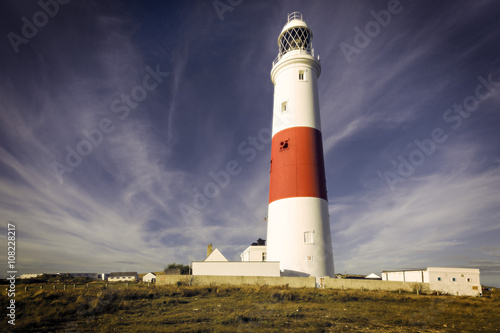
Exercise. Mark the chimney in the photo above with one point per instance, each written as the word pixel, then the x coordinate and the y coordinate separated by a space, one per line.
pixel 210 249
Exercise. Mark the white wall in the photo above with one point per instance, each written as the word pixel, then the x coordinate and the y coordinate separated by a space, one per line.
pixel 236 268
pixel 406 276
pixel 454 281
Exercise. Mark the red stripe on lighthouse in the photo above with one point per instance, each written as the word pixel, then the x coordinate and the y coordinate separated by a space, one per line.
pixel 297 165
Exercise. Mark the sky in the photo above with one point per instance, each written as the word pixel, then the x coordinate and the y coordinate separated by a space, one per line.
pixel 134 133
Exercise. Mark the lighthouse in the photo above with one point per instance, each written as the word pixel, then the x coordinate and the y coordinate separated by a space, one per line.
pixel 298 231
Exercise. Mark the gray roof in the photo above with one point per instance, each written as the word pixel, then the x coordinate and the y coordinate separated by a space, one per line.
pixel 122 274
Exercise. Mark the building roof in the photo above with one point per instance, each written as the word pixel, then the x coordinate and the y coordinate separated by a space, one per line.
pixel 450 269
pixel 122 274
pixel 216 256
pixel 372 276
pixel 405 270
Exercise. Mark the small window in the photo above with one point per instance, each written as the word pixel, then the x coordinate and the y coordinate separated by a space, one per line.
pixel 283 107
pixel 284 145
pixel 264 256
pixel 301 76
pixel 468 280
pixel 309 258
pixel 453 279
pixel 439 279
pixel 309 237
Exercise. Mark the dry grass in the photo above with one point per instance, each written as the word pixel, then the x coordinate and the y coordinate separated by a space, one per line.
pixel 248 309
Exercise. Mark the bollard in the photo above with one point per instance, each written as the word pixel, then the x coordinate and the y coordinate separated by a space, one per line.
pixel 41 287
pixel 54 287
pixel 64 287
pixel 418 292
pixel 127 285
pixel 400 290
pixel 106 285
pixel 25 288
pixel 87 285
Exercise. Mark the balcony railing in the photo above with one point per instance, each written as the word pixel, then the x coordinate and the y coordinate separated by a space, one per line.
pixel 296 51
pixel 295 16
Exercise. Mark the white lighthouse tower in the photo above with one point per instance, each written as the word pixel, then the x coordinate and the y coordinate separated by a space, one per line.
pixel 298 233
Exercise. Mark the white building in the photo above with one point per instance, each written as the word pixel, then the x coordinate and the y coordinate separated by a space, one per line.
pixel 373 276
pixel 150 277
pixel 30 276
pixel 217 264
pixel 215 256
pixel 453 281
pixel 255 252
pixel 123 277
pixel 102 276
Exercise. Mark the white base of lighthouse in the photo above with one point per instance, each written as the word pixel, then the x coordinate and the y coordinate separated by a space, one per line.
pixel 299 237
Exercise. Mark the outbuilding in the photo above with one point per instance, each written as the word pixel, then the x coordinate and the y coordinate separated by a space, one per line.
pixel 123 277
pixel 453 281
pixel 149 277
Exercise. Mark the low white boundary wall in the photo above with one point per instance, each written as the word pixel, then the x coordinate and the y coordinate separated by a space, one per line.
pixel 237 268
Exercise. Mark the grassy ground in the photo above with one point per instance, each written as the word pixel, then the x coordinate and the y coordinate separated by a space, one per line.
pixel 247 309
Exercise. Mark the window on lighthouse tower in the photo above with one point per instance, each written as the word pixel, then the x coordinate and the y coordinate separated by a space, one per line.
pixel 284 145
pixel 283 107
pixel 301 75
pixel 309 237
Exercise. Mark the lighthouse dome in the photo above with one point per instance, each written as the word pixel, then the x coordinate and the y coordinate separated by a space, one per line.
pixel 295 35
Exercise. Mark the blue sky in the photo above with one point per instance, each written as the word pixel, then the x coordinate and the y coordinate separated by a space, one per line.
pixel 134 133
